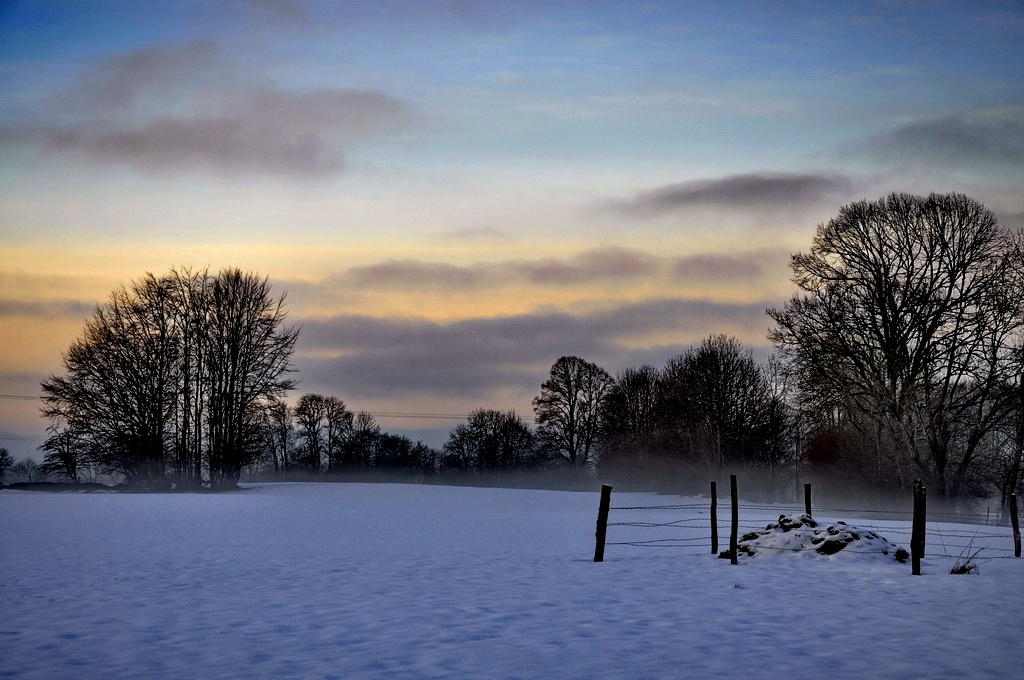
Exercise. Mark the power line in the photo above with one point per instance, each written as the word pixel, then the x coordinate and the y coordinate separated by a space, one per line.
pixel 437 416
pixel 19 397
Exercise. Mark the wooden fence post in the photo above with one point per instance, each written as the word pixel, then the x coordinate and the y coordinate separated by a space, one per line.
pixel 734 534
pixel 918 527
pixel 807 500
pixel 1015 521
pixel 714 518
pixel 602 522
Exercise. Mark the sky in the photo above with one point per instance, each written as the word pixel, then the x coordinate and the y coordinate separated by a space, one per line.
pixel 454 194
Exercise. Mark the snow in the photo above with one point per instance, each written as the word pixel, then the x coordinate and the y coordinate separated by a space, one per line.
pixel 407 581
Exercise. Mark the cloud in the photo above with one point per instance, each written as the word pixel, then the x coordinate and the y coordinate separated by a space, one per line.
pixel 1014 220
pixel 726 267
pixel 70 309
pixel 602 264
pixel 190 106
pixel 42 296
pixel 121 80
pixel 755 190
pixel 266 132
pixel 413 274
pixel 591 267
pixel 984 138
pixel 370 357
pixel 477 235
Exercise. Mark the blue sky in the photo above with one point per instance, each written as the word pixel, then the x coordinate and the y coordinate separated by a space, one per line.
pixel 455 193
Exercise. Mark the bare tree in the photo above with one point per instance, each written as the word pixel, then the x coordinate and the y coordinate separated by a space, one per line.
pixel 26 468
pixel 67 454
pixel 310 413
pixel 248 355
pixel 1013 427
pixel 191 321
pixel 491 441
pixel 119 388
pixel 568 411
pixel 632 420
pixel 395 453
pixel 338 424
pixel 359 449
pixel 6 463
pixel 904 324
pixel 279 433
pixel 325 425
pixel 718 406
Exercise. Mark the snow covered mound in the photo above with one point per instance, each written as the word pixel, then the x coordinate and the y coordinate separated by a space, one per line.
pixel 801 533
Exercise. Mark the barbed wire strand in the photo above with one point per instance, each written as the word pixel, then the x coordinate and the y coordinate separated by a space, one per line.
pixel 931 534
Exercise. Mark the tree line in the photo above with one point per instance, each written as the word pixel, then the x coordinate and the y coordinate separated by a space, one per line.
pixel 321 437
pixel 901 356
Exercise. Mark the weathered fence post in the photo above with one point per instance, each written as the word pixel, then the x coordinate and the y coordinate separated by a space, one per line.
pixel 602 522
pixel 807 500
pixel 714 518
pixel 1015 521
pixel 734 534
pixel 918 527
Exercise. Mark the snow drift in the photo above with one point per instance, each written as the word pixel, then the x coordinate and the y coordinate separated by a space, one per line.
pixel 803 535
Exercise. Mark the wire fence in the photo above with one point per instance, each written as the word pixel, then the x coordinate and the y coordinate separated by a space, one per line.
pixel 942 541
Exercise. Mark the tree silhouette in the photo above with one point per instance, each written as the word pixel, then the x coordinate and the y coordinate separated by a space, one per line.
pixel 632 420
pixel 490 441
pixel 568 411
pixel 6 463
pixel 905 324
pixel 171 375
pixel 717 404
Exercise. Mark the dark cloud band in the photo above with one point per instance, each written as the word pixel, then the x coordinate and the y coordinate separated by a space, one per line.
pixel 59 309
pixel 991 138
pixel 371 357
pixel 761 191
pixel 618 265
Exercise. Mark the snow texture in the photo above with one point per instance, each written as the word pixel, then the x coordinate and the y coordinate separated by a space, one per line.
pixel 406 581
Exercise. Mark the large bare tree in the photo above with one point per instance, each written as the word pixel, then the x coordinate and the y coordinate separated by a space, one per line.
pixel 904 324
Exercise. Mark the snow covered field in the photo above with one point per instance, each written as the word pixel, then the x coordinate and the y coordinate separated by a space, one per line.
pixel 405 581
